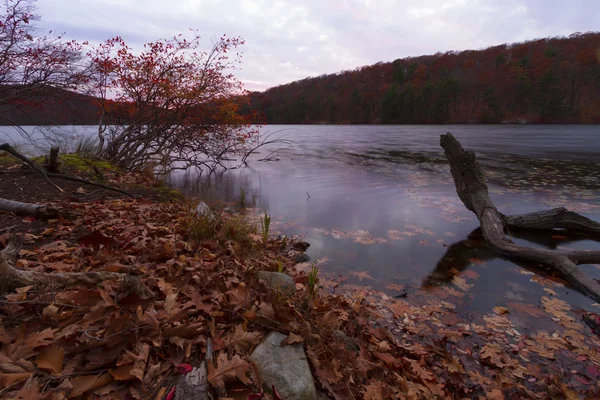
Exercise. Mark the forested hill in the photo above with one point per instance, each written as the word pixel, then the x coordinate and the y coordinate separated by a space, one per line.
pixel 555 80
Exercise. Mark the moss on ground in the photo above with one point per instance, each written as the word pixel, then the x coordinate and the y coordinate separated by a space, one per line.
pixel 6 160
pixel 167 195
pixel 76 163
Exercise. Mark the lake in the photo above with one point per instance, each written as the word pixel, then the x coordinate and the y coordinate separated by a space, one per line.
pixel 379 207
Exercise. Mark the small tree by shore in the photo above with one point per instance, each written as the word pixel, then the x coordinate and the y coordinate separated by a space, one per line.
pixel 174 105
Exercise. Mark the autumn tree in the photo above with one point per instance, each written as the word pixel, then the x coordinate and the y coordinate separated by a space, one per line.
pixel 175 105
pixel 31 63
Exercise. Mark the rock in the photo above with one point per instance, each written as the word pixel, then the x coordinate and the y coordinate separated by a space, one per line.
pixel 342 337
pixel 301 246
pixel 284 367
pixel 204 211
pixel 301 257
pixel 278 282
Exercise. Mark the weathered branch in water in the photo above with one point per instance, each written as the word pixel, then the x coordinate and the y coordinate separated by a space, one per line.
pixel 472 189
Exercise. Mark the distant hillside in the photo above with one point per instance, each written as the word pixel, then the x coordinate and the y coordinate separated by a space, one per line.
pixel 555 80
pixel 48 106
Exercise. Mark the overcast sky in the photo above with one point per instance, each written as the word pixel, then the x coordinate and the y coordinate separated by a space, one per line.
pixel 287 40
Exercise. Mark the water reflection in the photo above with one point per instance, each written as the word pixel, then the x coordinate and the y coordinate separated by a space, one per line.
pixel 381 200
pixel 379 204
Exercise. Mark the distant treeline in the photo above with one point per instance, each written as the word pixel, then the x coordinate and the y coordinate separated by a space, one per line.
pixel 554 80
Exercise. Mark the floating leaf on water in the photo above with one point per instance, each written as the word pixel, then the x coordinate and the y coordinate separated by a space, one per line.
pixel 362 275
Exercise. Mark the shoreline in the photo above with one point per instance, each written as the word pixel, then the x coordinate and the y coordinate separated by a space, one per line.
pixel 209 294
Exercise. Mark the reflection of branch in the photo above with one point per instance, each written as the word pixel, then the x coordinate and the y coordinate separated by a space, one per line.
pixel 457 258
pixel 264 142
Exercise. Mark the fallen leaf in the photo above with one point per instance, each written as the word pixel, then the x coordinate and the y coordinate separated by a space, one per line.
pixel 241 340
pixel 122 372
pixel 291 339
pixel 373 391
pixel 9 379
pixel 227 370
pixel 51 359
pixel 86 383
pixel 361 275
pixel 501 310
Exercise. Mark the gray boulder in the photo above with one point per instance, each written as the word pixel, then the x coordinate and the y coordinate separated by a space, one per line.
pixel 204 211
pixel 278 282
pixel 284 367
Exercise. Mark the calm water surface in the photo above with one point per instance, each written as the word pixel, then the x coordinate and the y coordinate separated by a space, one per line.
pixel 378 203
pixel 379 208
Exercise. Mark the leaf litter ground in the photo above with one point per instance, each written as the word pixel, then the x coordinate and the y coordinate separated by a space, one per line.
pixel 103 342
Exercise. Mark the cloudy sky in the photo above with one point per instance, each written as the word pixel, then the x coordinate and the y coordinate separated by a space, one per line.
pixel 287 40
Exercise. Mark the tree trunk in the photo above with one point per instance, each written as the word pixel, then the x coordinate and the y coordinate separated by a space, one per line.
pixel 52 162
pixel 473 191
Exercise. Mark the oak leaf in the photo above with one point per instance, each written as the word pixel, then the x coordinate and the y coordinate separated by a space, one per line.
pixel 493 352
pixel 361 275
pixel 373 391
pixel 242 340
pixel 24 347
pixel 227 370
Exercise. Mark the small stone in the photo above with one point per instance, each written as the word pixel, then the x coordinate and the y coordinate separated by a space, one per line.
pixel 301 246
pixel 204 211
pixel 284 367
pixel 278 282
pixel 342 337
pixel 301 257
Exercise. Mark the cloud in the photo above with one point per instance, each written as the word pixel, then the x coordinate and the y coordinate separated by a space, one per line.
pixel 288 40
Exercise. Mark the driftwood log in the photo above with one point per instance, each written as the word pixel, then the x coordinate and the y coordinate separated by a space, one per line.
pixel 39 211
pixel 473 191
pixel 12 277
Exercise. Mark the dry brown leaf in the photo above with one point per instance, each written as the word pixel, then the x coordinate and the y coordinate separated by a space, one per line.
pixel 122 372
pixel 373 391
pixel 461 283
pixel 419 370
pixel 387 358
pixel 139 360
pixel 241 340
pixel 291 339
pixel 51 359
pixel 24 347
pixel 494 353
pixel 501 310
pixel 362 275
pixel 185 330
pixel 85 383
pixel 50 312
pixel 227 370
pixel 8 379
pixel 494 394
